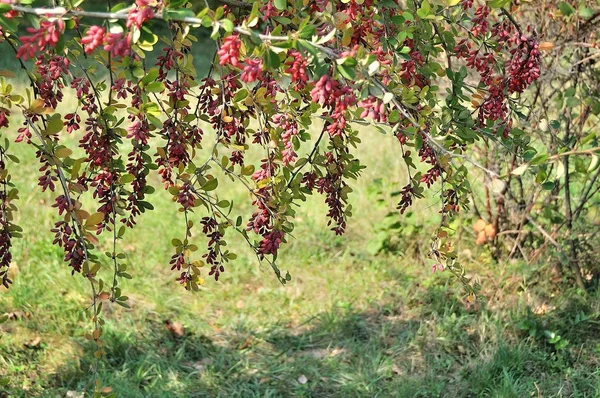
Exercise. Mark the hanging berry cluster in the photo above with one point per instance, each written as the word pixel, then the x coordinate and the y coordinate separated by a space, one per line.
pixel 277 74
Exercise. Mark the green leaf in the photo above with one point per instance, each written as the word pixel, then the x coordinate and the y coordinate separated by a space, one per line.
pixel 150 76
pixel 155 121
pixel 155 87
pixel 272 60
pixel 307 31
pixel 424 11
pixel 122 303
pixel 347 72
pixel 223 204
pixel 174 4
pixel 539 159
pixel 280 4
pixel 127 178
pixel 240 95
pixel 9 25
pixel 210 185
pixel 180 14
pixel 227 25
pixel 309 47
pixel 548 186
pixel 565 8
pixel 585 13
pixel 54 126
pixel 498 3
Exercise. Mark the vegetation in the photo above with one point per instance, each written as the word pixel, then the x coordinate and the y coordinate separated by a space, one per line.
pixel 363 325
pixel 434 135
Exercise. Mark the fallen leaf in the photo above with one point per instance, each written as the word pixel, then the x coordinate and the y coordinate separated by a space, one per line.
pixel 546 46
pixel 74 394
pixel 247 343
pixel 176 328
pixel 302 379
pixel 199 366
pixel 33 343
pixel 13 316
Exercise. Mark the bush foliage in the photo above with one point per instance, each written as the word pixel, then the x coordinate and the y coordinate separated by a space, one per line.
pixel 291 87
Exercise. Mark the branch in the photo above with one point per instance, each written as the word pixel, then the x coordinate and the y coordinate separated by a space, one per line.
pixel 237 3
pixel 428 137
pixel 543 232
pixel 308 159
pixel 511 19
pixel 590 151
pixel 63 12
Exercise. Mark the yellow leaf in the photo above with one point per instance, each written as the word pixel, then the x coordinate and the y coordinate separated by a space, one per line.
pixel 95 219
pixel 37 106
pixel 63 153
pixel 546 46
pixel 340 18
pixel 347 36
pixel 82 214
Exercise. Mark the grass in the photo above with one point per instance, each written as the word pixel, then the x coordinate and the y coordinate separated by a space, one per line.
pixel 348 324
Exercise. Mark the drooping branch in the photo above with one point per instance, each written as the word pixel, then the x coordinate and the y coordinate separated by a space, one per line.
pixel 63 12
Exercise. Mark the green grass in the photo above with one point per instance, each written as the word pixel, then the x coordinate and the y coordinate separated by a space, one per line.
pixel 348 324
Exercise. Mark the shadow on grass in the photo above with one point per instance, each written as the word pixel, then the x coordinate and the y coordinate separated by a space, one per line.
pixel 431 345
